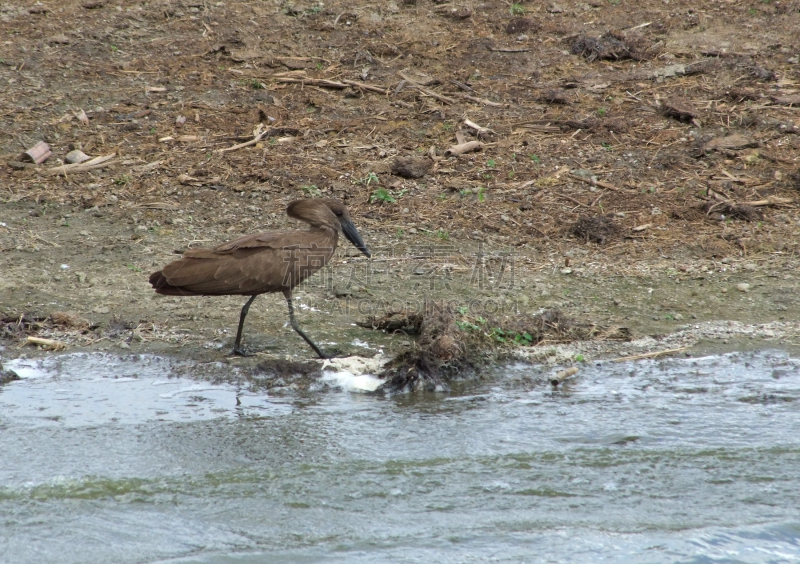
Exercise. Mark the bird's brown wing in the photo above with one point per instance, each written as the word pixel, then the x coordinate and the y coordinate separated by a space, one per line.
pixel 254 264
pixel 270 239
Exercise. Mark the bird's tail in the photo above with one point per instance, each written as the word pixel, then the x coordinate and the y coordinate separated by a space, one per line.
pixel 161 286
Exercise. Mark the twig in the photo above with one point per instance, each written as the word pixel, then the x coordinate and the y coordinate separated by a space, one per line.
pixel 594 182
pixel 770 201
pixel 479 128
pixel 483 101
pixel 508 50
pixel 571 199
pixel 648 355
pixel 363 86
pixel 258 137
pixel 314 82
pixel 43 240
pixel 427 91
pixel 93 164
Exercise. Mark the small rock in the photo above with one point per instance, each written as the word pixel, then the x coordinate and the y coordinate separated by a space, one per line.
pixel 566 271
pixel 724 290
pixel 101 309
pixel 752 267
pixel 76 156
pixel 743 287
pixel 124 345
pixel 678 317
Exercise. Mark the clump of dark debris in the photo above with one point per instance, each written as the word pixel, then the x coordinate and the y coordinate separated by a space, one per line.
pixel 595 125
pixel 597 228
pixel 440 353
pixel 404 321
pixel 522 25
pixel 19 326
pixel 612 46
pixel 411 167
pixel 679 109
pixel 726 210
pixel 447 349
pixel 551 325
pixel 555 96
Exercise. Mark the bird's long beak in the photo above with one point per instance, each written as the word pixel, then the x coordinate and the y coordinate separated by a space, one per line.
pixel 353 236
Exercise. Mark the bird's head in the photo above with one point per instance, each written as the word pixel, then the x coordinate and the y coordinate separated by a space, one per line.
pixel 328 212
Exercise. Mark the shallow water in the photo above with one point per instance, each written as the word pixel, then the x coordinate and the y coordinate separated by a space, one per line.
pixel 105 459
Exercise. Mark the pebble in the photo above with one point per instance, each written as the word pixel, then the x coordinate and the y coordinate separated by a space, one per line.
pixel 743 287
pixel 724 290
pixel 102 309
pixel 678 316
pixel 566 271
pixel 752 267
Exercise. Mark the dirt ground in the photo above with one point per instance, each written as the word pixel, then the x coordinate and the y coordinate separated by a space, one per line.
pixel 636 163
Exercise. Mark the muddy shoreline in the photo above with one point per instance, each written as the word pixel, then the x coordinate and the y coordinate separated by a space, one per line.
pixel 707 306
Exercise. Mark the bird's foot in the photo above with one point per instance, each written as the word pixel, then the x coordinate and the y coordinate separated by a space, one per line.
pixel 239 351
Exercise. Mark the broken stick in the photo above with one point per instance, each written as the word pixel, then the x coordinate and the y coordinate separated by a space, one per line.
pixel 468 147
pixel 594 182
pixel 49 343
pixel 563 375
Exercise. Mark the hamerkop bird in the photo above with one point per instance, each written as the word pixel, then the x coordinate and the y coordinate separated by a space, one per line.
pixel 273 261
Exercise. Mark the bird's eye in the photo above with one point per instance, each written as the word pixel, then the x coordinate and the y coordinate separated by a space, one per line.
pixel 338 213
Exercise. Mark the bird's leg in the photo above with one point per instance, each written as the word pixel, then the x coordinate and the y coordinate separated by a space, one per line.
pixel 237 349
pixel 296 327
